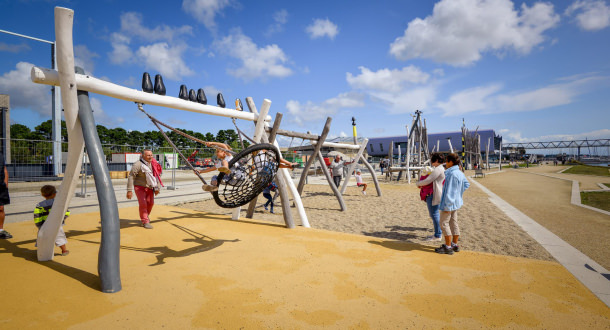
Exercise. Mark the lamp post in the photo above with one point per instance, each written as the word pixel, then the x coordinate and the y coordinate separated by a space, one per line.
pixel 55 111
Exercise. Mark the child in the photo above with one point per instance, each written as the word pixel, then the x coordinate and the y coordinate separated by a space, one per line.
pixel 267 194
pixel 222 164
pixel 41 212
pixel 451 201
pixel 426 190
pixel 359 182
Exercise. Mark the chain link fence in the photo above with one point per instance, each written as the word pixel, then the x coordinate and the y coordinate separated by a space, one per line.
pixel 32 160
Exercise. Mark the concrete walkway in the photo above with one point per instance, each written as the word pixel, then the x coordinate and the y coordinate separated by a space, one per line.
pixel 590 273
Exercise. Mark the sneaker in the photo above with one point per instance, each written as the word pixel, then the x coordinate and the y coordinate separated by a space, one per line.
pixel 224 170
pixel 266 209
pixel 5 235
pixel 364 192
pixel 444 249
pixel 272 211
pixel 455 247
pixel 65 253
pixel 147 225
pixel 432 238
pixel 209 187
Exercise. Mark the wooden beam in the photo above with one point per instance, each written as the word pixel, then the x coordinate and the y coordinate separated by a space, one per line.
pixel 294 134
pixel 331 183
pixel 313 156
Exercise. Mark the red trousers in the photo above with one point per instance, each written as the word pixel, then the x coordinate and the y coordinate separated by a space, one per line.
pixel 146 200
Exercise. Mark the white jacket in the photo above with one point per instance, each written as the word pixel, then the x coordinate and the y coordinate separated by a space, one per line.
pixel 437 177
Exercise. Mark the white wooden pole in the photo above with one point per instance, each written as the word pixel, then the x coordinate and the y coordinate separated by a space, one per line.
pixel 259 130
pixel 487 154
pixel 94 85
pixel 65 65
pixel 284 175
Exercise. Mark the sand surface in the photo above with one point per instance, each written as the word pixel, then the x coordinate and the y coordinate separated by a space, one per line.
pixel 199 270
pixel 399 214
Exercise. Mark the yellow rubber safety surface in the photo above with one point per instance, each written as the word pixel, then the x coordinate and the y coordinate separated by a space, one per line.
pixel 200 270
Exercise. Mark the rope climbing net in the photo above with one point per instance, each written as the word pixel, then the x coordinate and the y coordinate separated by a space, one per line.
pixel 252 170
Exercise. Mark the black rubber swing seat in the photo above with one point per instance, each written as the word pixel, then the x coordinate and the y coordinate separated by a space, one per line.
pixel 252 170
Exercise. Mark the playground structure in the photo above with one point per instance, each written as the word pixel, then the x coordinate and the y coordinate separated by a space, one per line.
pixel 81 132
pixel 417 150
pixel 317 142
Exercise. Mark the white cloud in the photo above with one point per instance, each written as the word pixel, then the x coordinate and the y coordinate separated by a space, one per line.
pixel 590 15
pixel 322 28
pixel 23 92
pixel 165 59
pixel 255 62
pixel 14 48
pixel 386 79
pixel 310 111
pixel 84 58
pixel 205 10
pixel 459 31
pixel 131 24
pixel 401 91
pixel 407 100
pixel 487 99
pixel 469 100
pixel 121 52
pixel 280 18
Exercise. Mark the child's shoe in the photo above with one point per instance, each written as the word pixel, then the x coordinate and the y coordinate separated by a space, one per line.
pixel 209 187
pixel 364 192
pixel 65 253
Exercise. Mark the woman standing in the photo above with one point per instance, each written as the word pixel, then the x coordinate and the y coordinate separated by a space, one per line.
pixel 433 200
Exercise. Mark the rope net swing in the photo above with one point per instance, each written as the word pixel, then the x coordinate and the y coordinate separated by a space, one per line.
pixel 251 170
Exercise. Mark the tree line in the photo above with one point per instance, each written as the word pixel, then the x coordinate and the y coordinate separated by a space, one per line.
pixel 120 136
pixel 33 147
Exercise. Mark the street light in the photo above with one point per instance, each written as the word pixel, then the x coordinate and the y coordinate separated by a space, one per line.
pixel 55 111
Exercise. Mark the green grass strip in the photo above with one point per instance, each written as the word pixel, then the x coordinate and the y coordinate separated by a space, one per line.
pixel 597 199
pixel 589 170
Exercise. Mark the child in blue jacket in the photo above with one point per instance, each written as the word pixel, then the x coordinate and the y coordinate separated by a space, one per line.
pixel 451 201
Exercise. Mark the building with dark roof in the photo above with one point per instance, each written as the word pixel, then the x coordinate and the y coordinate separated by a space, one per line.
pixel 379 146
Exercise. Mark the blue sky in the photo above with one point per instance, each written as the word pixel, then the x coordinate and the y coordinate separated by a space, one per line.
pixel 530 70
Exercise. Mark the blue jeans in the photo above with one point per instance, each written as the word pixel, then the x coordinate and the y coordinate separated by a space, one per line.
pixel 435 214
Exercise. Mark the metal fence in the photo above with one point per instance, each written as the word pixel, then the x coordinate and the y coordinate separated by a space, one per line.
pixel 32 160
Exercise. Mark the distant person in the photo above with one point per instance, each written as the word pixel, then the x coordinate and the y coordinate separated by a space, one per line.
pixel 337 168
pixel 359 182
pixel 144 179
pixel 41 212
pixel 4 197
pixel 431 186
pixel 381 166
pixel 451 201
pixel 267 194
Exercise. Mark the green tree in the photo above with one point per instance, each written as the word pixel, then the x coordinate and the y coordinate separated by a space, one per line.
pixel 19 131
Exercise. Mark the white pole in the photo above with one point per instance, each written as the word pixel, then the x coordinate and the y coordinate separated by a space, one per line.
pixel 259 130
pixel 90 84
pixel 65 64
pixel 408 158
